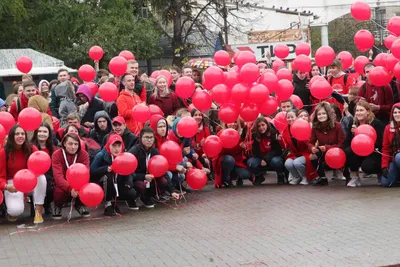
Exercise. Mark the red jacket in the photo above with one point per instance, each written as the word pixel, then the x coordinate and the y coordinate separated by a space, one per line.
pixel 15 162
pixel 378 95
pixel 199 138
pixel 125 104
pixel 387 143
pixel 330 138
pixel 153 125
pixel 24 104
pixel 168 104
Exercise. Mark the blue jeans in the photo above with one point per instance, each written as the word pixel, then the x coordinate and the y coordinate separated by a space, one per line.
pixel 229 167
pixel 275 164
pixel 297 167
pixel 393 176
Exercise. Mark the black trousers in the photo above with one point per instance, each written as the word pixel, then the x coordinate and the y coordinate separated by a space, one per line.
pixel 370 164
pixel 124 192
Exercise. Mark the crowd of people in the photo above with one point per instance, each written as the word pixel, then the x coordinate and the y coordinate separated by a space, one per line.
pixel 79 127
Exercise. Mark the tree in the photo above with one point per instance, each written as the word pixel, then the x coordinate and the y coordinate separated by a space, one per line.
pixel 12 9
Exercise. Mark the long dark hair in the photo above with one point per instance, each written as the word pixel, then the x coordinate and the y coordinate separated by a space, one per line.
pixel 193 111
pixel 11 147
pixel 270 130
pixel 49 141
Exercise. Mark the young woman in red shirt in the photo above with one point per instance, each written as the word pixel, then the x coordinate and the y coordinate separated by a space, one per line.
pixel 202 133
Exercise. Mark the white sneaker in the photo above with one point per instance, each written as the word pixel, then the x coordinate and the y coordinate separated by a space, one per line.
pixel 304 181
pixel 295 181
pixel 358 182
pixel 337 175
pixel 368 175
pixel 353 182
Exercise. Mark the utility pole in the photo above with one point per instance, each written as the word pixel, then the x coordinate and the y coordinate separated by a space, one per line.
pixel 224 11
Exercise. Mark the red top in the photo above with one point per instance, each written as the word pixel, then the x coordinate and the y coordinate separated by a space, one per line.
pixel 378 95
pixel 168 104
pixel 24 104
pixel 265 145
pixel 125 104
pixel 199 138
pixel 330 138
pixel 15 162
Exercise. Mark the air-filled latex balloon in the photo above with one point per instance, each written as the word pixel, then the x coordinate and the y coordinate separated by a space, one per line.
pixel 391 61
pixel 228 113
pixel 285 90
pixel 396 71
pixel 249 73
pixel 221 93
pixel 214 76
pixel 277 64
pixel 155 74
pixel 128 55
pixel 360 11
pixel 302 63
pixel 24 64
pixel 270 81
pixel 301 130
pixel 249 112
pixel 125 164
pixel 303 49
pixel 229 138
pixel 108 92
pixel 2 135
pixel 1 197
pixel 258 93
pixel 212 146
pixel 380 59
pixel 280 121
pixel 196 179
pixel 171 151
pixel 240 92
pixel 94 88
pixel 86 73
pixel 222 58
pixel 366 129
pixel 364 40
pixel 321 89
pixel 231 78
pixel 324 56
pixel 184 87
pixel 158 166
pixel 296 100
pixel 187 127
pixel 96 52
pixel 39 162
pixel 379 76
pixel 284 74
pixel 7 121
pixel 29 119
pixel 359 64
pixel 389 41
pixel 281 51
pixel 154 109
pixel 394 25
pixel 118 65
pixel 346 59
pixel 269 107
pixel 91 194
pixel 141 113
pixel 396 48
pixel 167 75
pixel 202 100
pixel 362 145
pixel 335 158
pixel 245 57
pixel 77 175
pixel 25 181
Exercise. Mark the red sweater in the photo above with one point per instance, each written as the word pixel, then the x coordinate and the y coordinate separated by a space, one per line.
pixel 168 104
pixel 199 138
pixel 60 168
pixel 331 138
pixel 15 162
pixel 378 95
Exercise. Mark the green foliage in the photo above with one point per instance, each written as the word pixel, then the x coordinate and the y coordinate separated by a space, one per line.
pixel 12 9
pixel 67 29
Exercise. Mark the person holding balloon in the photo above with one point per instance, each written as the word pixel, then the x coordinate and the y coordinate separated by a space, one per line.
pixel 203 132
pixel 360 150
pixel 65 190
pixel 16 180
pixel 114 185
pixel 162 97
pixel 326 133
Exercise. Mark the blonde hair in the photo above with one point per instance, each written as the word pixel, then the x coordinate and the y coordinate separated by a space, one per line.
pixel 371 116
pixel 156 94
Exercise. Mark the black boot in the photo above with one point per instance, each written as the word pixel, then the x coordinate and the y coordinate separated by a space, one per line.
pixel 259 180
pixel 281 178
pixel 321 181
pixel 228 184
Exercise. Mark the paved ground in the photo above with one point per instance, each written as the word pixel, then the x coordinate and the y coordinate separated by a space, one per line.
pixel 265 226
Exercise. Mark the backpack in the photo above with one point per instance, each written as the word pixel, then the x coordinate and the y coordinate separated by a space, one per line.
pixel 344 79
pixel 18 105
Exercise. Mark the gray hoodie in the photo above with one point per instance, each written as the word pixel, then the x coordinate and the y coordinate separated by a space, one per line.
pixel 65 91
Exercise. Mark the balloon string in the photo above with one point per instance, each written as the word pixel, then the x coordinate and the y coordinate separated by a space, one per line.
pixel 182 194
pixel 70 210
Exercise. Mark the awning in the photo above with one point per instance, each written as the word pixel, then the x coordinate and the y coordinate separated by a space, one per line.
pixel 34 71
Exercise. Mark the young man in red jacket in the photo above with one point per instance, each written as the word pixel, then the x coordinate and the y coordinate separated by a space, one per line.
pixel 380 98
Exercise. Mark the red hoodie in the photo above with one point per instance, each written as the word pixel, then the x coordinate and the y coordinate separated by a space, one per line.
pixel 24 104
pixel 388 135
pixel 378 95
pixel 153 125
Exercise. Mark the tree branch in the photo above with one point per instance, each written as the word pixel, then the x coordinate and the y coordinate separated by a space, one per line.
pixel 193 22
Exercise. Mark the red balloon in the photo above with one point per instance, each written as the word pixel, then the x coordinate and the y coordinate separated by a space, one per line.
pixel 324 56
pixel 277 64
pixel 86 73
pixel 379 76
pixel 212 146
pixel 380 60
pixel 389 41
pixel 280 121
pixel 285 90
pixel 284 73
pixel 229 138
pixel 346 58
pixel 360 11
pixel 221 93
pixel 359 64
pixel 303 49
pixel 301 130
pixel 314 79
pixel 393 26
pixel 29 119
pixel 240 92
pixel 269 71
pixel 158 166
pixel 281 51
pixel 214 76
pixel 187 127
pixel 258 93
pixel 362 145
pixel 96 52
pixel 231 78
pixel 24 64
pixel 7 121
pixel 172 152
pixel 25 181
pixel 125 164
pixel 270 81
pixel 196 179
pixel 77 175
pixel 108 92
pixel 155 74
pixel 269 107
pixel 303 63
pixel 184 87
pixel 202 100
pixel 228 113
pixel 335 158
pixel 128 55
pixel 396 72
pixel 167 75
pixel 222 58
pixel 1 197
pixel 296 100
pixel 249 73
pixel 391 61
pixel 154 109
pixel 396 48
pixel 91 194
pixel 2 136
pixel 118 65
pixel 321 89
pixel 249 112
pixel 364 40
pixel 39 162
pixel 366 129
pixel 94 88
pixel 141 113
pixel 245 57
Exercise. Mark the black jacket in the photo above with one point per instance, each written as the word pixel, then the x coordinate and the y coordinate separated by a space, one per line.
pixel 276 149
pixel 129 139
pixel 302 91
pixel 94 106
pixel 96 134
pixel 376 124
